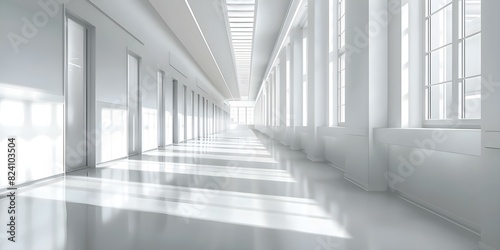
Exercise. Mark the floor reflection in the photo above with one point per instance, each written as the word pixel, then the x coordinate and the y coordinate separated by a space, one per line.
pixel 239 190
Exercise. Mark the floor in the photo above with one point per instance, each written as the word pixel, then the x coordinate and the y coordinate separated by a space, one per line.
pixel 236 191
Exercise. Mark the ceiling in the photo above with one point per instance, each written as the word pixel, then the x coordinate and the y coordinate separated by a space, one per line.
pixel 202 27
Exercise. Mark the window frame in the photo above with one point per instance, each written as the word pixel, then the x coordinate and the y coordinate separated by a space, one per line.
pixel 457 81
pixel 305 74
pixel 341 53
pixel 288 102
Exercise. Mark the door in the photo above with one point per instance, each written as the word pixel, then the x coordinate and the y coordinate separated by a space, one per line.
pixel 184 114
pixel 134 121
pixel 202 115
pixel 196 116
pixel 168 100
pixel 76 96
pixel 176 116
pixel 161 109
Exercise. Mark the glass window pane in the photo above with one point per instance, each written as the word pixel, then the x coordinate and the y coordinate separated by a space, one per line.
pixel 342 40
pixel 426 70
pixel 234 115
pixel 426 8
pixel 426 36
pixel 342 7
pixel 426 103
pixel 342 114
pixel 242 115
pixel 460 60
pixel 437 4
pixel 342 96
pixel 472 98
pixel 440 101
pixel 342 79
pixel 473 55
pixel 460 19
pixel 250 114
pixel 342 24
pixel 441 28
pixel 472 16
pixel 441 65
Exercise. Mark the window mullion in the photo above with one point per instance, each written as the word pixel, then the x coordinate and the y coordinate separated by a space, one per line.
pixel 455 64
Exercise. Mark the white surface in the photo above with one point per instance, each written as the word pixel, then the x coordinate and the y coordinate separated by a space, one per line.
pixel 139 205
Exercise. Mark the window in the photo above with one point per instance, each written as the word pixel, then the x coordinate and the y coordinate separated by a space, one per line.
pixel 250 114
pixel 277 92
pixel 453 61
pixel 332 55
pixel 336 84
pixel 288 118
pixel 341 63
pixel 266 106
pixel 272 90
pixel 405 63
pixel 304 77
pixel 149 129
pixel 242 115
pixel 234 115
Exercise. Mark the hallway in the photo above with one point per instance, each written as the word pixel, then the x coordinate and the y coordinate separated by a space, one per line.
pixel 239 190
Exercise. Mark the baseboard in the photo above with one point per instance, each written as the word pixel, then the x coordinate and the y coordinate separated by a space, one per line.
pixel 335 166
pixel 108 162
pixel 77 169
pixel 149 150
pixel 30 184
pixel 353 181
pixel 315 159
pixel 463 223
pixel 483 246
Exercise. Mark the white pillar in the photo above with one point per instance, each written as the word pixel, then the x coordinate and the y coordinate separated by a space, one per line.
pixel 366 92
pixel 317 63
pixel 282 97
pixel 296 85
pixel 490 39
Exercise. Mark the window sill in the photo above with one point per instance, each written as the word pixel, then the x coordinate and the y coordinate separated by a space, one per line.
pixel 453 124
pixel 451 140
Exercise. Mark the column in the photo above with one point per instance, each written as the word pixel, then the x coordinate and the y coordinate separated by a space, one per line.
pixel 366 92
pixel 296 85
pixel 490 129
pixel 317 76
pixel 282 96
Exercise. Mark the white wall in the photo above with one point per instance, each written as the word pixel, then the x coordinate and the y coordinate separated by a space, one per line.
pixel 31 89
pixel 372 147
pixel 490 134
pixel 31 75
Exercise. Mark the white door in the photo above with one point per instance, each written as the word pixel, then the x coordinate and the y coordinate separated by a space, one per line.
pixel 134 137
pixel 76 112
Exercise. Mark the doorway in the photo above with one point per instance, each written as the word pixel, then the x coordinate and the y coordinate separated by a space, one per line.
pixel 78 153
pixel 169 113
pixel 175 113
pixel 134 114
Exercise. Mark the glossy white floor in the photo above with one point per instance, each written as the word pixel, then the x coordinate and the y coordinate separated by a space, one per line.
pixel 234 191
